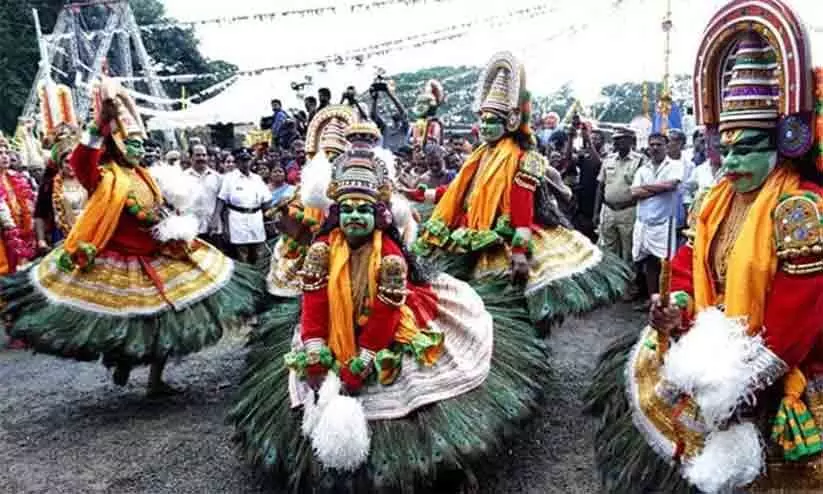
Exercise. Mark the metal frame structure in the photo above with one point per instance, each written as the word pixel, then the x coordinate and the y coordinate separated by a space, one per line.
pixel 81 55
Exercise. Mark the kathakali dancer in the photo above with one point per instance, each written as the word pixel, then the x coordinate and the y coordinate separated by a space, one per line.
pixel 296 223
pixel 61 197
pixel 385 377
pixel 724 388
pixel 427 128
pixel 131 283
pixel 496 217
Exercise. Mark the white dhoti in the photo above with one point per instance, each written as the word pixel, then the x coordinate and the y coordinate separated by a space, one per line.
pixel 651 240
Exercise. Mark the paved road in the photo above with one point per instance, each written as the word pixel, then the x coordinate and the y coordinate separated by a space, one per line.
pixel 64 428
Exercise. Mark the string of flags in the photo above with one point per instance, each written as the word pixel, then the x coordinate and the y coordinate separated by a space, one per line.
pixel 353 8
pixel 360 55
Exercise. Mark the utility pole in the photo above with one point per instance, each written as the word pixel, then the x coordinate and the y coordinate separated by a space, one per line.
pixel 664 105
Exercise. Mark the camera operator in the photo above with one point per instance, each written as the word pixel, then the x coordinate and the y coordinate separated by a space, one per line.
pixel 350 98
pixel 394 135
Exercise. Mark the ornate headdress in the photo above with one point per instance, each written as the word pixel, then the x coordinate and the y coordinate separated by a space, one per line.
pixel 359 172
pixel 327 129
pixel 57 109
pixel 753 70
pixel 502 91
pixel 750 96
pixel 128 124
pixel 60 125
pixel 433 89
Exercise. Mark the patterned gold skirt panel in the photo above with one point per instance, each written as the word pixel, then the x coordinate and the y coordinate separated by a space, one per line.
pixel 282 279
pixel 557 253
pixel 122 285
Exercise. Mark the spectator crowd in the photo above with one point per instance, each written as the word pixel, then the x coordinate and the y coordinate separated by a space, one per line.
pixel 633 202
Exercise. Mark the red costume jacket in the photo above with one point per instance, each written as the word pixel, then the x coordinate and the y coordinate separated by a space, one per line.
pixel 378 331
pixel 130 238
pixel 522 200
pixel 793 319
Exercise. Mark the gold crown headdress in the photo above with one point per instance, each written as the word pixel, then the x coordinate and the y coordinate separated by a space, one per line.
pixel 256 138
pixel 502 90
pixel 57 109
pixel 327 130
pixel 359 172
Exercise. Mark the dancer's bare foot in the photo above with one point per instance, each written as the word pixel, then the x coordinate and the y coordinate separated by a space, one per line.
pixel 158 388
pixel 121 374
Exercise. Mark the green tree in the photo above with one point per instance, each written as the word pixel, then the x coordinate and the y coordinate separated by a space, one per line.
pixel 624 101
pixel 458 83
pixel 19 53
pixel 173 50
pixel 560 102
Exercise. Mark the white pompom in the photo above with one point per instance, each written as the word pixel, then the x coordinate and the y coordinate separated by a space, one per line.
pixel 714 363
pixel 340 438
pixel 311 415
pixel 401 211
pixel 314 182
pixel 180 190
pixel 177 227
pixel 730 460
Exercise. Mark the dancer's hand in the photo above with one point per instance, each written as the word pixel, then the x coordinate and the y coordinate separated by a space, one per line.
pixel 106 117
pixel 353 382
pixel 666 320
pixel 520 269
pixel 315 375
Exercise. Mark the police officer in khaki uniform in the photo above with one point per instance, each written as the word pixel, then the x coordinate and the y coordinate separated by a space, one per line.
pixel 617 212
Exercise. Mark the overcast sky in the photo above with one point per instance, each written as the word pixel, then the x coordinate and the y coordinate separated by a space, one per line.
pixel 613 43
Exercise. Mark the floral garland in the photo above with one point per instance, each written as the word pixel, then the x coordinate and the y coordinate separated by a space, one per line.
pixel 146 216
pixel 58 205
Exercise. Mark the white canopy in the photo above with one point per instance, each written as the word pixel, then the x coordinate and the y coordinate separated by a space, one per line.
pixel 588 48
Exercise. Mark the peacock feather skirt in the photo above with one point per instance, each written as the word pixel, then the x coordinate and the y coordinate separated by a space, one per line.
pixel 130 309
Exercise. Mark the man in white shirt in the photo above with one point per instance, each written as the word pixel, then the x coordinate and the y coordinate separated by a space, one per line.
pixel 677 152
pixel 210 182
pixel 706 174
pixel 244 195
pixel 655 188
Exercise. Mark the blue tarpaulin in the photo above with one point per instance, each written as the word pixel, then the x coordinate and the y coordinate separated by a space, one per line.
pixel 675 119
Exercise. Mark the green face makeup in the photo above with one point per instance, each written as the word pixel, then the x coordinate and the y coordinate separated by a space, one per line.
pixel 422 105
pixel 749 156
pixel 492 127
pixel 134 151
pixel 356 218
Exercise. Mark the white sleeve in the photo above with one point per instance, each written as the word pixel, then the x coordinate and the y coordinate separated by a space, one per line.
pixel 224 189
pixel 638 177
pixel 6 219
pixel 675 171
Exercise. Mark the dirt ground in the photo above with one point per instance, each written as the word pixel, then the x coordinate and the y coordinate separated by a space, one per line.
pixel 65 428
